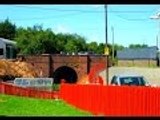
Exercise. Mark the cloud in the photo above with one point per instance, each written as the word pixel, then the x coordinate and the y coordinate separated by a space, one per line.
pixel 61 29
pixel 95 38
pixel 95 6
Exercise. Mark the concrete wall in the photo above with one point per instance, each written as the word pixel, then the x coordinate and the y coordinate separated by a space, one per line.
pixel 140 63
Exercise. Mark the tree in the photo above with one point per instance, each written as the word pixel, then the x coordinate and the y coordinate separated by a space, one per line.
pixel 70 43
pixel 71 46
pixel 7 30
pixel 118 47
pixel 100 49
pixel 61 41
pixel 80 42
pixel 135 46
pixel 92 47
pixel 35 40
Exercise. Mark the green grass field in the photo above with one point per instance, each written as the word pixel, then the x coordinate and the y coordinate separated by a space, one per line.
pixel 22 106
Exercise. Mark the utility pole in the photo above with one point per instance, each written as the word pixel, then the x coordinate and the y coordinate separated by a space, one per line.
pixel 106 47
pixel 157 17
pixel 158 34
pixel 157 41
pixel 112 29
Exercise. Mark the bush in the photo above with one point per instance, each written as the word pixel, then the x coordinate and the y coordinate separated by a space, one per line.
pixel 56 87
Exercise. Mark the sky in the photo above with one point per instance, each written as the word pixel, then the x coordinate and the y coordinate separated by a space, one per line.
pixel 131 23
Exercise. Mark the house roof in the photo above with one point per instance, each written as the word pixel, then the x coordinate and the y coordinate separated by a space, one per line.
pixel 7 41
pixel 140 53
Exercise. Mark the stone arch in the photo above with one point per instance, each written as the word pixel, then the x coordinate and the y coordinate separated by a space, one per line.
pixel 65 72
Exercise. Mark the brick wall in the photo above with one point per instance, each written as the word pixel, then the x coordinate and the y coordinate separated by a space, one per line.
pixel 49 63
pixel 78 63
pixel 97 59
pixel 40 63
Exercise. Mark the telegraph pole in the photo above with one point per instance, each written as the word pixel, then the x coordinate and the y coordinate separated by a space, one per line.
pixel 158 33
pixel 106 47
pixel 112 28
pixel 157 41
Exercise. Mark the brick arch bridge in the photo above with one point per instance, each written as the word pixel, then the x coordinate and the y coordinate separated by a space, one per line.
pixel 70 67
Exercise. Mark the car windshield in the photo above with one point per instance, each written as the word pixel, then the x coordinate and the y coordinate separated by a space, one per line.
pixel 138 81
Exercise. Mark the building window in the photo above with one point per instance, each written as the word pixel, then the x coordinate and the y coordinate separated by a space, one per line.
pixel 1 51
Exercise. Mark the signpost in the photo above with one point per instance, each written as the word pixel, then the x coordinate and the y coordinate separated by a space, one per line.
pixel 106 51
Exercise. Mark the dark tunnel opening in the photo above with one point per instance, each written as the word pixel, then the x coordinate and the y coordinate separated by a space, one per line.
pixel 66 73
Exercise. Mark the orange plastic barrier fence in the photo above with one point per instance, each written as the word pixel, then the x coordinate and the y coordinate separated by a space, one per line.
pixel 113 100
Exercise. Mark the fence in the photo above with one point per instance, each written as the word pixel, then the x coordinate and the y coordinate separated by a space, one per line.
pixel 113 100
pixel 27 92
pixel 99 99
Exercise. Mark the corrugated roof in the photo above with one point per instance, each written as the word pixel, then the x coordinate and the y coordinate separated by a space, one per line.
pixel 7 41
pixel 140 53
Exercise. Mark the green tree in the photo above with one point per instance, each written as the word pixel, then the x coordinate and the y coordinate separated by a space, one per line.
pixel 71 46
pixel 80 42
pixel 135 46
pixel 118 47
pixel 70 43
pixel 100 49
pixel 92 47
pixel 7 30
pixel 35 40
pixel 61 41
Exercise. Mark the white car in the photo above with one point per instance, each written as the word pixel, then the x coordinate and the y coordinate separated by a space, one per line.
pixel 129 79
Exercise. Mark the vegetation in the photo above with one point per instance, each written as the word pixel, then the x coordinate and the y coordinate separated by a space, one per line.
pixel 7 30
pixel 22 106
pixel 36 40
pixel 135 46
pixel 56 87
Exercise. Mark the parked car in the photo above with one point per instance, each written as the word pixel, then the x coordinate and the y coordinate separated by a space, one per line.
pixel 129 79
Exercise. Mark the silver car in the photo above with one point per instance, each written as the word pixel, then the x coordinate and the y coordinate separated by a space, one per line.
pixel 129 79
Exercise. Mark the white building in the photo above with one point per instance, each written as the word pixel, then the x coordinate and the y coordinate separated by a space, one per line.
pixel 7 49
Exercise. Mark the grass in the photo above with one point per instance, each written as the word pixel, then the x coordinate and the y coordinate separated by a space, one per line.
pixel 22 106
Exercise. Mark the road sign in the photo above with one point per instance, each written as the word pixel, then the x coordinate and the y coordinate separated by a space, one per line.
pixel 106 51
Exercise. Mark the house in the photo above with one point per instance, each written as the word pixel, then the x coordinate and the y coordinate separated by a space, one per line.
pixel 7 49
pixel 138 57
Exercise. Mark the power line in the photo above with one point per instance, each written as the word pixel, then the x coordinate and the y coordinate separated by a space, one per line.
pixel 115 11
pixel 89 11
pixel 48 17
pixel 133 11
pixel 75 10
pixel 128 19
pixel 51 17
pixel 60 10
pixel 68 15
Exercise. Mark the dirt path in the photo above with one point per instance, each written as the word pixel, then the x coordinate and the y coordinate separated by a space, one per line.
pixel 151 74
